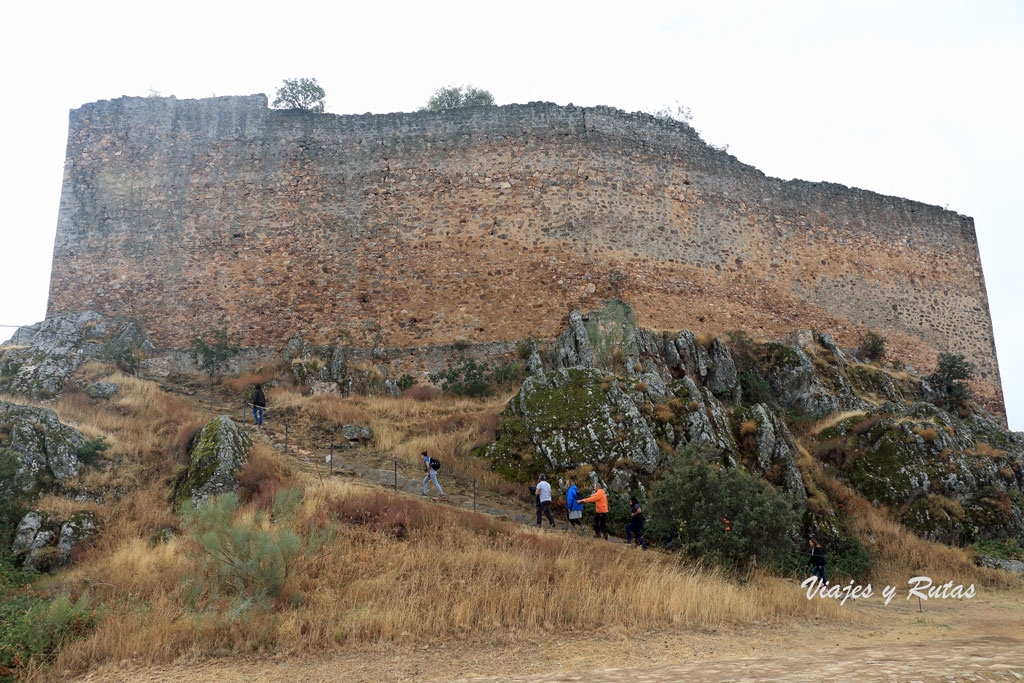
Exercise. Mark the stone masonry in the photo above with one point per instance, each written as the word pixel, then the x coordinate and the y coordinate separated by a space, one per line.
pixel 486 224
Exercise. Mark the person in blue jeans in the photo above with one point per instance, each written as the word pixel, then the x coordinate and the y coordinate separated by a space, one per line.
pixel 259 404
pixel 574 507
pixel 431 474
pixel 818 561
pixel 635 526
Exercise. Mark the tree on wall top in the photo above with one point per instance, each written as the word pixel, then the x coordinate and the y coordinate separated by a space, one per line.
pixel 455 97
pixel 300 93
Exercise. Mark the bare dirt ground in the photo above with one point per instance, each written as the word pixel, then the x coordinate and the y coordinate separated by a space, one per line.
pixel 980 639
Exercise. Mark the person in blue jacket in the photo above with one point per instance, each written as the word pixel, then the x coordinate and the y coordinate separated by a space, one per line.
pixel 574 507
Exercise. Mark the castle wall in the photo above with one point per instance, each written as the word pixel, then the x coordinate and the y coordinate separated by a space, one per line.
pixel 486 224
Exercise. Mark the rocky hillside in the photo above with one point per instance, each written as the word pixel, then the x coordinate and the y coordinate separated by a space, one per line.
pixel 614 402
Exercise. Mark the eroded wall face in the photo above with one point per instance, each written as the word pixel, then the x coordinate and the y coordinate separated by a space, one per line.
pixel 486 224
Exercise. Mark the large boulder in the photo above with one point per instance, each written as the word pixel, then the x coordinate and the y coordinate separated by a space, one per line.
pixel 44 450
pixel 218 453
pixel 570 417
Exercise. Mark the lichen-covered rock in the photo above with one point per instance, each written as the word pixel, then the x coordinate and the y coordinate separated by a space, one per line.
pixel 693 358
pixel 707 423
pixel 355 434
pixel 776 453
pixel 44 543
pixel 954 480
pixel 791 375
pixel 1013 566
pixel 102 390
pixel 46 450
pixel 76 530
pixel 569 417
pixel 722 378
pixel 40 360
pixel 219 452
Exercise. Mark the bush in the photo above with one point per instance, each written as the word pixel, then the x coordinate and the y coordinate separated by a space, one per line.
pixel 755 389
pixel 406 382
pixel 248 560
pixel 872 346
pixel 13 500
pixel 121 353
pixel 467 377
pixel 31 626
pixel 722 513
pixel 89 452
pixel 953 370
pixel 212 357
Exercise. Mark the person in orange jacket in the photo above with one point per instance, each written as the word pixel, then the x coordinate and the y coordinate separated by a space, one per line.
pixel 600 501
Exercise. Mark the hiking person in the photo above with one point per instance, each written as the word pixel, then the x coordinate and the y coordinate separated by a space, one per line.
pixel 574 507
pixel 259 404
pixel 600 501
pixel 636 523
pixel 543 490
pixel 431 466
pixel 818 561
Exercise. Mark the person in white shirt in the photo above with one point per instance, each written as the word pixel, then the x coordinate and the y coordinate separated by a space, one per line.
pixel 543 490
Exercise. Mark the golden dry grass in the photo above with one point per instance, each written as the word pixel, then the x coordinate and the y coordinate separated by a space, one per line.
pixel 402 570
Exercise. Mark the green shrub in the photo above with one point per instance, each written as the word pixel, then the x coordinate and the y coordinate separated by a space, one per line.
pixel 949 377
pixel 406 382
pixel 121 352
pixel 722 513
pixel 755 389
pixel 872 346
pixel 743 348
pixel 32 626
pixel 468 377
pixel 13 501
pixel 212 356
pixel 89 452
pixel 248 561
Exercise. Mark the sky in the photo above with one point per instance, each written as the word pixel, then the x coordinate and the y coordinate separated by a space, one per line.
pixel 915 99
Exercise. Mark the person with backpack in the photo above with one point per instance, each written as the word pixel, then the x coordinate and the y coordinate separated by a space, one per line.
pixel 431 466
pixel 259 404
pixel 635 525
pixel 543 492
pixel 818 561
pixel 600 501
pixel 574 507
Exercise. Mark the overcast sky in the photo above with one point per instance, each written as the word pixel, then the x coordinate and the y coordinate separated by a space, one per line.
pixel 915 99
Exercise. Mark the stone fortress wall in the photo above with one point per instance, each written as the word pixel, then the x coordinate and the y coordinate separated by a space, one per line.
pixel 486 224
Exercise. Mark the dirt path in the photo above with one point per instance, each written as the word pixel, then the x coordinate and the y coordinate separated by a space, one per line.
pixel 981 639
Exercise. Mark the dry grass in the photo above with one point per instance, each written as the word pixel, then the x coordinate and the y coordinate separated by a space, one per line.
pixel 984 450
pixel 929 434
pixel 748 428
pixel 832 420
pixel 405 571
pixel 237 385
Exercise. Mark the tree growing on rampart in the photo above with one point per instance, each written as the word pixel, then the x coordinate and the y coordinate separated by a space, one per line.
pixel 300 93
pixel 455 97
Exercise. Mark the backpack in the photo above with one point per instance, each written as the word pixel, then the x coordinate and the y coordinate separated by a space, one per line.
pixel 435 464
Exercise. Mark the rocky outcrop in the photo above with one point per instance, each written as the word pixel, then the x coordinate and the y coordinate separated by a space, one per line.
pixel 45 543
pixel 952 479
pixel 219 452
pixel 45 450
pixel 40 360
pixel 102 390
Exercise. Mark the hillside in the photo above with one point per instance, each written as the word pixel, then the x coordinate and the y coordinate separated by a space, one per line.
pixel 895 475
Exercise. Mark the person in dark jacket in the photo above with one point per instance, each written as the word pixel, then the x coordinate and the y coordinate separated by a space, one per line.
pixel 818 561
pixel 574 507
pixel 635 525
pixel 259 404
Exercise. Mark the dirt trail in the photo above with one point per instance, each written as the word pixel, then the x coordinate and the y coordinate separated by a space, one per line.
pixel 981 639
